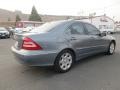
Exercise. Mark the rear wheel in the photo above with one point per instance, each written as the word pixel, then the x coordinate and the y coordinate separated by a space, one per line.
pixel 111 48
pixel 64 61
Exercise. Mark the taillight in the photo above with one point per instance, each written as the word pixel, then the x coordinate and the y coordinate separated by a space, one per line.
pixel 29 44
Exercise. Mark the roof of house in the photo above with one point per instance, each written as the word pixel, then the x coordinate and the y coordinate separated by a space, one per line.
pixel 96 17
pixel 31 22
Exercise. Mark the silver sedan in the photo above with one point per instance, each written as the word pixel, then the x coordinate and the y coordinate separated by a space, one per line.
pixel 60 44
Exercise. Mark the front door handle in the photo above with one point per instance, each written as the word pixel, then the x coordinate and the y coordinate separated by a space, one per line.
pixel 73 38
pixel 92 37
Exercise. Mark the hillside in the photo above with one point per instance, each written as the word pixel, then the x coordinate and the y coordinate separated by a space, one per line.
pixel 5 15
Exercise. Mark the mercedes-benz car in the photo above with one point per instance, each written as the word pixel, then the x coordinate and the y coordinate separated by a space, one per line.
pixel 61 43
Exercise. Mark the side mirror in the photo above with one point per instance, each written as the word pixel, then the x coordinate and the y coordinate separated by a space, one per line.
pixel 102 34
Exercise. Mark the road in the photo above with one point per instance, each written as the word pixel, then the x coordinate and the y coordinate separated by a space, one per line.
pixel 101 72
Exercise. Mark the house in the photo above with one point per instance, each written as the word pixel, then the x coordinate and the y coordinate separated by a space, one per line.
pixel 103 23
pixel 24 24
pixel 117 25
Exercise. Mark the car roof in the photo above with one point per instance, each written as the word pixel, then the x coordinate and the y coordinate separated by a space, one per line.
pixel 69 20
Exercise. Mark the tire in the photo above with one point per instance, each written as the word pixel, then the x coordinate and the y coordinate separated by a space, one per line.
pixel 111 48
pixel 64 61
pixel 8 36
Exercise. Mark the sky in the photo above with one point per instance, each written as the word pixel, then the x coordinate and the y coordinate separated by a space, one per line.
pixel 65 7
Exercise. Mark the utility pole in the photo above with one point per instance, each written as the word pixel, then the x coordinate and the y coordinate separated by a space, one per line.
pixel 91 16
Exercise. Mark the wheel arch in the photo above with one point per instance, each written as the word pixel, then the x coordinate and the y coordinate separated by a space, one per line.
pixel 113 42
pixel 70 49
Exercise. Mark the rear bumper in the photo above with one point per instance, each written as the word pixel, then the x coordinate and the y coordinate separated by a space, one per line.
pixel 34 58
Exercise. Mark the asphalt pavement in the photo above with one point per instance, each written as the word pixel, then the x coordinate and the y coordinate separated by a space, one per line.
pixel 100 72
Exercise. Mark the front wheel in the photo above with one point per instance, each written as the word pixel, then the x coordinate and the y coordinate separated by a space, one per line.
pixel 64 61
pixel 111 48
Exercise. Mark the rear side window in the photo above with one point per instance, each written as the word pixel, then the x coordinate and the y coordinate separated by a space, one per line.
pixel 77 28
pixel 91 29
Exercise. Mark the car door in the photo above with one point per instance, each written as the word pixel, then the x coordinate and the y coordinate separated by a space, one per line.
pixel 79 39
pixel 98 43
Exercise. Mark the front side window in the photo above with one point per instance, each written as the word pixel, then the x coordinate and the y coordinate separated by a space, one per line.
pixel 92 30
pixel 77 28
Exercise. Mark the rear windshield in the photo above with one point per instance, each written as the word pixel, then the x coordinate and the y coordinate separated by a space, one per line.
pixel 46 27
